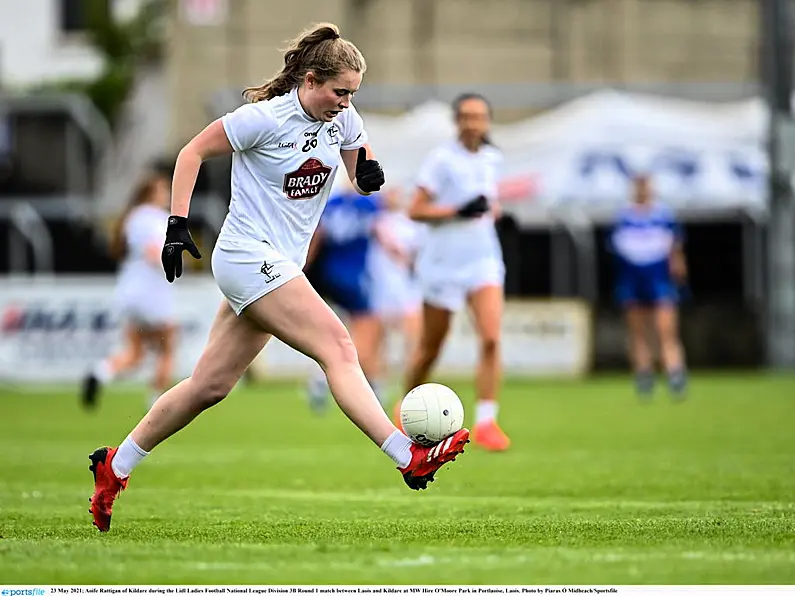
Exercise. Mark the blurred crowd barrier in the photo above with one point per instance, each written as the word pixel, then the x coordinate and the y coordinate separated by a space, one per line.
pixel 56 329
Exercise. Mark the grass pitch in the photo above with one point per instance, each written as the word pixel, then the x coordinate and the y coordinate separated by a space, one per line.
pixel 597 488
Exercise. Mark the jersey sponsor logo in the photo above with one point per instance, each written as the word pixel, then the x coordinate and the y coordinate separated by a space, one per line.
pixel 307 181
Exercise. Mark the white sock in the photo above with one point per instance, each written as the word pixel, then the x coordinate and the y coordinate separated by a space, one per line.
pixel 398 447
pixel 486 410
pixel 127 457
pixel 103 372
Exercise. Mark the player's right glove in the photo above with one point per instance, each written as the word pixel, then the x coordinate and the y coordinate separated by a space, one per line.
pixel 178 238
pixel 474 208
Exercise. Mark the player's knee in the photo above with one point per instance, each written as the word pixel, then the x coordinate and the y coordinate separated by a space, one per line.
pixel 136 355
pixel 669 340
pixel 428 352
pixel 339 351
pixel 212 391
pixel 368 360
pixel 489 345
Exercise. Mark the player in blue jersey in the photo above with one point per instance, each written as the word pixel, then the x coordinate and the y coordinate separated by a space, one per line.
pixel 648 245
pixel 340 273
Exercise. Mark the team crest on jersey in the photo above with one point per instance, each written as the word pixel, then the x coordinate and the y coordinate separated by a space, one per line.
pixel 307 181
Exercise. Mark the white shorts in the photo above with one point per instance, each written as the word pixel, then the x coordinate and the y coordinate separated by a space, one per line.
pixel 246 269
pixel 396 297
pixel 448 287
pixel 147 312
pixel 145 302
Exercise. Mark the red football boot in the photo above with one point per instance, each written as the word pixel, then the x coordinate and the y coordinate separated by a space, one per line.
pixel 107 487
pixel 490 436
pixel 426 460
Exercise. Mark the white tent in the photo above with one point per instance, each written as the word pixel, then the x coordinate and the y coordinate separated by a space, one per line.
pixel 703 157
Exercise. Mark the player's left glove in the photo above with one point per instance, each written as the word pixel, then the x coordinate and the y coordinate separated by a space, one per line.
pixel 474 208
pixel 178 238
pixel 369 175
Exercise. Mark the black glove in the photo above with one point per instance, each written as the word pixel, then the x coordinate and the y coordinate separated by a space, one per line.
pixel 369 175
pixel 474 208
pixel 178 238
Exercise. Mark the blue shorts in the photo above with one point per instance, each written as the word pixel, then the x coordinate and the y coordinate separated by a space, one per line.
pixel 350 292
pixel 646 290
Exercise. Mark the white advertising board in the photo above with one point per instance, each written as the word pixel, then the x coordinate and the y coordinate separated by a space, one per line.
pixel 55 329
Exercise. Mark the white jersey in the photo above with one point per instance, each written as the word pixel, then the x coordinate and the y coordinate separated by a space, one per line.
pixel 405 234
pixel 282 171
pixel 453 176
pixel 142 290
pixel 394 288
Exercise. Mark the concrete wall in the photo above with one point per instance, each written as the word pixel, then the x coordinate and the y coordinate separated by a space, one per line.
pixel 470 42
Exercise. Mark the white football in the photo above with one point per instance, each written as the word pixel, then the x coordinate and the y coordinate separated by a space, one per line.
pixel 430 413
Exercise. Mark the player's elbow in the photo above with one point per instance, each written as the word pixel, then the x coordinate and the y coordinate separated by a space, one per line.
pixel 189 155
pixel 416 213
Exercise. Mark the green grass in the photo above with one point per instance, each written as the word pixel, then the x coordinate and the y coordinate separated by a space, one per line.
pixel 596 488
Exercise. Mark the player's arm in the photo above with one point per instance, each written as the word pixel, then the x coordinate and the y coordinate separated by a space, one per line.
pixel 423 209
pixel 387 240
pixel 211 142
pixel 249 126
pixel 432 179
pixel 678 262
pixel 349 158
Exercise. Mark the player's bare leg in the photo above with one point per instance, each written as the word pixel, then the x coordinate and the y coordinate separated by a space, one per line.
pixel 435 326
pixel 366 332
pixel 666 321
pixel 487 304
pixel 110 368
pixel 302 320
pixel 640 352
pixel 411 328
pixel 162 340
pixel 232 344
pixel 298 316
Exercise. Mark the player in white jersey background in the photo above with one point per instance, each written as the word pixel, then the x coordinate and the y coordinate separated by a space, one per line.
pixel 144 298
pixel 395 292
pixel 287 144
pixel 460 263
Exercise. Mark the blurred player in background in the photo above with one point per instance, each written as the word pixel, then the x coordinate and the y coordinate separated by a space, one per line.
pixel 395 291
pixel 338 258
pixel 648 246
pixel 460 262
pixel 287 143
pixel 144 298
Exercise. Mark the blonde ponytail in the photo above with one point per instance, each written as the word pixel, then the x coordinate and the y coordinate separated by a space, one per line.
pixel 320 50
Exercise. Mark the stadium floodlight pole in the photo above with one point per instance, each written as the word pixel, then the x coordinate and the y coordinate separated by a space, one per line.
pixel 776 36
